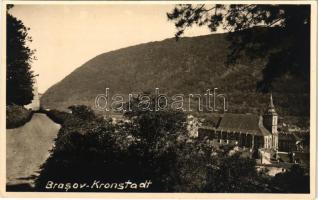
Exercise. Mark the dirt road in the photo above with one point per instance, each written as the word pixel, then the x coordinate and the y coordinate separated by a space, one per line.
pixel 27 149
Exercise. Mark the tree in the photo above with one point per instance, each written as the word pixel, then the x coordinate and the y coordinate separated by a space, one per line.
pixel 155 127
pixel 159 134
pixel 278 33
pixel 295 180
pixel 84 150
pixel 19 58
pixel 235 173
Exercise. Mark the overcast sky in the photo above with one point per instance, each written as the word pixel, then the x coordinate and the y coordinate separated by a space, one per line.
pixel 66 36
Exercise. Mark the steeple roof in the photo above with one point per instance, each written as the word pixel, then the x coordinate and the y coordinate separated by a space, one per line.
pixel 271 108
pixel 271 104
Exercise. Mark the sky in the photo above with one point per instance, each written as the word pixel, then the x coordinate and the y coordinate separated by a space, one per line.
pixel 66 36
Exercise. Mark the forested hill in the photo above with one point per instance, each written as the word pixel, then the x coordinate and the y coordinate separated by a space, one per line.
pixel 190 65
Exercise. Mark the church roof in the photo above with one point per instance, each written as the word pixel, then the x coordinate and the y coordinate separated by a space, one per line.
pixel 245 123
pixel 271 108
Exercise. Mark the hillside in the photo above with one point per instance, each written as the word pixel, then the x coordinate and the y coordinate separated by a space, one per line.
pixel 190 65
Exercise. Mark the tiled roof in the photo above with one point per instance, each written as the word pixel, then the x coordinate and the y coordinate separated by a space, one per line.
pixel 245 123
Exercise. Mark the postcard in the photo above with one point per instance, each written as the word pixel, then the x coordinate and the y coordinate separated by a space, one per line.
pixel 159 99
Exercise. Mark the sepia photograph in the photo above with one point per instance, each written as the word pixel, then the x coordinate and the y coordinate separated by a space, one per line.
pixel 159 97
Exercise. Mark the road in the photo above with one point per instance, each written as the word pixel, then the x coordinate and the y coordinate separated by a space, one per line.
pixel 27 149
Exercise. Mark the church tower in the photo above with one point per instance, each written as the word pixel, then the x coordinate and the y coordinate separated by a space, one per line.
pixel 270 120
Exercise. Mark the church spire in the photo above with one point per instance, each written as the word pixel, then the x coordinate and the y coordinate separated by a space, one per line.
pixel 270 121
pixel 271 107
pixel 271 104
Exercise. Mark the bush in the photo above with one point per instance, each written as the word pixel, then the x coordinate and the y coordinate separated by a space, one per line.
pixel 17 116
pixel 84 149
pixel 57 116
pixel 91 148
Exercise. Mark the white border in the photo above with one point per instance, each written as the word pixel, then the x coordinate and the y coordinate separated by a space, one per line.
pixel 313 109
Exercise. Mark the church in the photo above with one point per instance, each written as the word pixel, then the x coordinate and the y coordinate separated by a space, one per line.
pixel 245 130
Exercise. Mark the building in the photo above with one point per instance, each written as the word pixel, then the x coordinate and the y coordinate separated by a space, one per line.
pixel 35 103
pixel 245 130
pixel 293 138
pixel 289 142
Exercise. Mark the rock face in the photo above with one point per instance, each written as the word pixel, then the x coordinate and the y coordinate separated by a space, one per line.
pixel 190 65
